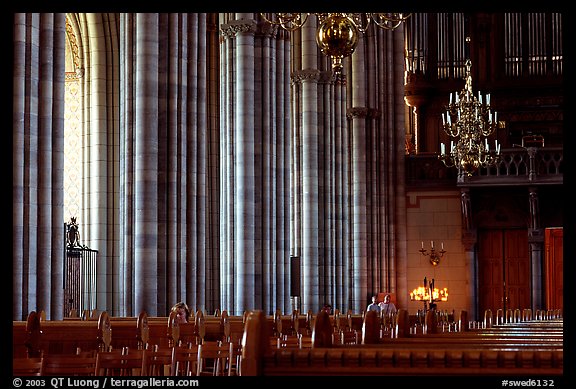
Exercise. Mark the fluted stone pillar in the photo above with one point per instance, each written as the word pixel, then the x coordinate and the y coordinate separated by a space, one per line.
pixel 340 247
pixel 309 173
pixel 377 160
pixel 146 163
pixel 227 163
pixel 358 115
pixel 246 294
pixel 38 164
pixel 167 194
pixel 320 162
pixel 536 245
pixel 255 132
pixel 396 224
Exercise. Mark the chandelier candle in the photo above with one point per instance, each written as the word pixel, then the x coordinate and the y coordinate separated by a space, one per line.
pixel 469 120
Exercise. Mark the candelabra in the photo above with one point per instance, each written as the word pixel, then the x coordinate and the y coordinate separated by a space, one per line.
pixel 433 254
pixel 429 295
pixel 337 33
pixel 470 121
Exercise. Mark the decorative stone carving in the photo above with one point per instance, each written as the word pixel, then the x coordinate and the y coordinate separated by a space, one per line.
pixel 235 27
pixel 306 75
pixel 362 112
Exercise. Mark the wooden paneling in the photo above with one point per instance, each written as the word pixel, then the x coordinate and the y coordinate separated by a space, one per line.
pixel 503 269
pixel 517 269
pixel 554 268
pixel 490 270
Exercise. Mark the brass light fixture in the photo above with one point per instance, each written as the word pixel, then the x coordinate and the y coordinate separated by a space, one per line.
pixel 433 254
pixel 337 33
pixel 470 120
pixel 429 294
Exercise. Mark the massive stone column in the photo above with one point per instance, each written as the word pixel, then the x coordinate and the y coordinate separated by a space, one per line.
pixel 168 195
pixel 146 147
pixel 320 163
pixel 376 120
pixel 255 133
pixel 363 283
pixel 38 164
pixel 246 294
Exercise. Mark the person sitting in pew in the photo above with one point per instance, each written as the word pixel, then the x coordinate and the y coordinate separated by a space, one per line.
pixel 374 306
pixel 182 312
pixel 386 306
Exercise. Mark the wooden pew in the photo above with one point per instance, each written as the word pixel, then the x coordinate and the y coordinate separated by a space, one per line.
pixel 19 335
pixel 65 336
pixel 429 357
pixel 510 348
pixel 57 337
pixel 204 327
pixel 131 332
pixel 410 362
pixel 492 338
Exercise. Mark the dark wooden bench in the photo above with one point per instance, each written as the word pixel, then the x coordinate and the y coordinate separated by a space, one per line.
pixel 61 336
pixel 424 355
pixel 19 338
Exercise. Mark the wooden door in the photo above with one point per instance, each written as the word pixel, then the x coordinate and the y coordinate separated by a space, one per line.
pixel 554 268
pixel 490 270
pixel 503 269
pixel 517 269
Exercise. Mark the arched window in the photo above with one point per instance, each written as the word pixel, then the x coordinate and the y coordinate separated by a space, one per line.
pixel 72 128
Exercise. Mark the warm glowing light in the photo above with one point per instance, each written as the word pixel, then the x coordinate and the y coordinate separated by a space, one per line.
pixel 423 294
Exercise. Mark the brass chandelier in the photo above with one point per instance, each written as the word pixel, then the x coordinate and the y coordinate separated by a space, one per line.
pixel 337 33
pixel 470 120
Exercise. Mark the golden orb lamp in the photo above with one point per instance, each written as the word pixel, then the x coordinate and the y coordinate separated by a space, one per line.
pixel 337 37
pixel 337 34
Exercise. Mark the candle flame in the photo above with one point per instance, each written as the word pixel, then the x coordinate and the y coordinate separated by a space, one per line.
pixel 423 294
